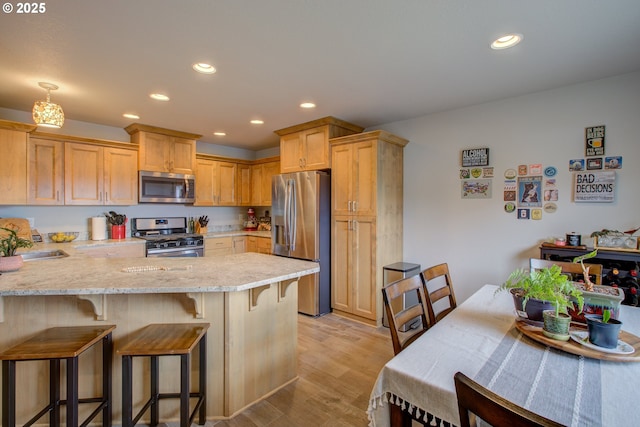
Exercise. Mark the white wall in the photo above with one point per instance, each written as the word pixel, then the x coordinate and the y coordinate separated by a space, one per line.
pixel 482 243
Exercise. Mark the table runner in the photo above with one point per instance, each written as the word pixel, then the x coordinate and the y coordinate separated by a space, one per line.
pixel 476 339
pixel 561 386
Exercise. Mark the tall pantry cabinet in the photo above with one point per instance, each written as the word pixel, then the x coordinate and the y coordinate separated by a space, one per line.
pixel 366 232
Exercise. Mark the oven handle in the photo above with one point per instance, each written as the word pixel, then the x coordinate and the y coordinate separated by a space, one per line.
pixel 177 252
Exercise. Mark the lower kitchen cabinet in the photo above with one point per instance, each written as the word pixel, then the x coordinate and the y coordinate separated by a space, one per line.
pixel 239 244
pixel 218 246
pixel 354 270
pixel 258 244
pixel 136 250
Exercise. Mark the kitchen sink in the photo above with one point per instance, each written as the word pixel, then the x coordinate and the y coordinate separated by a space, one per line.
pixel 35 256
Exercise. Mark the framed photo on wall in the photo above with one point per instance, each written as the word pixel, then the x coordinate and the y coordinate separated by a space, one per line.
pixel 530 191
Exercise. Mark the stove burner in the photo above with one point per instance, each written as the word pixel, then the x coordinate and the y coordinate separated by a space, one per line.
pixel 166 235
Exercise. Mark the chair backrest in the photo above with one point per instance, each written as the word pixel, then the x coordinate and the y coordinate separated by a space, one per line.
pixel 572 268
pixel 492 408
pixel 399 315
pixel 432 274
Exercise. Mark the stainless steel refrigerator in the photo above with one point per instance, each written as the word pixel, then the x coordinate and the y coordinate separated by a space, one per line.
pixel 300 227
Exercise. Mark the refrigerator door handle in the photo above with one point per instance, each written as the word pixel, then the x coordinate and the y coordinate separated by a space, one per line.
pixel 293 211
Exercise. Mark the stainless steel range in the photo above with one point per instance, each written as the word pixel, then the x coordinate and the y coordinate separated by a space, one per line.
pixel 168 237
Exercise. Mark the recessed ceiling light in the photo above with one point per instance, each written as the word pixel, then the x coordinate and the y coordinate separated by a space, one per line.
pixel 506 41
pixel 307 105
pixel 204 68
pixel 159 97
pixel 131 116
pixel 220 133
pixel 257 122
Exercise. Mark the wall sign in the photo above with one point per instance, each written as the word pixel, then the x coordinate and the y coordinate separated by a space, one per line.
pixel 594 141
pixel 594 186
pixel 475 157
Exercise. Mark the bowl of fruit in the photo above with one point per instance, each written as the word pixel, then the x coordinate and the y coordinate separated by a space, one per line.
pixel 63 236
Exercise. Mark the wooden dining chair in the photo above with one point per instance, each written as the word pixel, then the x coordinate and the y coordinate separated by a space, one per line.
pixel 572 268
pixel 439 274
pixel 492 408
pixel 402 318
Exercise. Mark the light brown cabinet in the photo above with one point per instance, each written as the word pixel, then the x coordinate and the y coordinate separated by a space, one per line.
pixel 218 246
pixel 366 232
pixel 45 172
pixel 239 244
pixel 261 177
pixel 96 175
pixel 306 146
pixel 244 184
pixel 164 150
pixel 216 183
pixel 13 177
pixel 114 251
pixel 259 244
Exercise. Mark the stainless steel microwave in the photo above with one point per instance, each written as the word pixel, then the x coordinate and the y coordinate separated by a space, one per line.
pixel 165 187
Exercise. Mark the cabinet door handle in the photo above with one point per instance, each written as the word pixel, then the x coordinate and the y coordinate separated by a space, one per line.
pixel 106 196
pixel 57 195
pixel 355 204
pixel 349 206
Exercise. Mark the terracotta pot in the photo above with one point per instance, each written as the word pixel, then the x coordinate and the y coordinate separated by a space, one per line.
pixel 10 263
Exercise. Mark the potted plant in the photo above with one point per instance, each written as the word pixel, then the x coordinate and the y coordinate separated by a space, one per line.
pixel 117 222
pixel 549 294
pixel 603 330
pixel 597 298
pixel 9 243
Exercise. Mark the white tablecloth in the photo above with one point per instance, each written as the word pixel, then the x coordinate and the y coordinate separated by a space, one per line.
pixel 471 336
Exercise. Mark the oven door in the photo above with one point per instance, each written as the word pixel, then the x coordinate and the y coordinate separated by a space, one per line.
pixel 177 252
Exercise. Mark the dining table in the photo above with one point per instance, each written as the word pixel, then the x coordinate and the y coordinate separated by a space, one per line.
pixel 480 339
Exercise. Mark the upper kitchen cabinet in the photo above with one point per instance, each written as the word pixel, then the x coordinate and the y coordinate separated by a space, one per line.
pixel 366 217
pixel 164 150
pixel 97 175
pixel 244 184
pixel 13 146
pixel 262 173
pixel 45 172
pixel 216 182
pixel 306 146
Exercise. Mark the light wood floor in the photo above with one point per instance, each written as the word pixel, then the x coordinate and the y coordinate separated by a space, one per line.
pixel 338 363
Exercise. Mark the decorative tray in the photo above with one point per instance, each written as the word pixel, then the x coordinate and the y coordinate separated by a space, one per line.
pixel 574 347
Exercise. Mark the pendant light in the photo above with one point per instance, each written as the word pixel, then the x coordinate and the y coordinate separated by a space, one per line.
pixel 45 113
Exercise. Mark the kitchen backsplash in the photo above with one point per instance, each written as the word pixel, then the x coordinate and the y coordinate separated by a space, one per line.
pixel 50 219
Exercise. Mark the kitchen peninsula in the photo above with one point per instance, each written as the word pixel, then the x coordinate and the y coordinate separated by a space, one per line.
pixel 249 299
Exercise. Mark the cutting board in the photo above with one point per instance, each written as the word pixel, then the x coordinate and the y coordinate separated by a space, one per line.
pixel 21 226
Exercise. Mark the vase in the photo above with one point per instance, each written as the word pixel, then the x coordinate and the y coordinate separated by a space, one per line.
pixel 118 232
pixel 556 326
pixel 10 263
pixel 603 334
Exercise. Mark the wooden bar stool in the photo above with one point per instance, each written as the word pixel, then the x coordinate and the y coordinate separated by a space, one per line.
pixel 54 345
pixel 158 340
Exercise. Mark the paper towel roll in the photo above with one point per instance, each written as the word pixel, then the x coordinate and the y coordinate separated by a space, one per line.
pixel 99 228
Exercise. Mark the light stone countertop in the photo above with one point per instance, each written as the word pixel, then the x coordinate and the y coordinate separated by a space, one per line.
pixel 80 275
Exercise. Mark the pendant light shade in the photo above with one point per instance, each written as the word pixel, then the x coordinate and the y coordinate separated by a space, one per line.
pixel 45 113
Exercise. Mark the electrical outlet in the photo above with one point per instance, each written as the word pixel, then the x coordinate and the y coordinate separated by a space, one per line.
pixel 32 222
pixel 241 217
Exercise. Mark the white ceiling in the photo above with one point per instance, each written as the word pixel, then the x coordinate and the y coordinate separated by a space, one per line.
pixel 365 61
